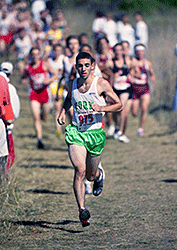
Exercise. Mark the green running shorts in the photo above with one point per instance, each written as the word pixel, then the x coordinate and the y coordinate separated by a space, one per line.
pixel 93 140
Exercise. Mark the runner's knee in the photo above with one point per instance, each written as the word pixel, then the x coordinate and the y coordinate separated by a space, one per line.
pixel 80 173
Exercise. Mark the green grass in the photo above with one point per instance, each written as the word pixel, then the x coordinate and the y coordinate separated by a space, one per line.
pixel 137 208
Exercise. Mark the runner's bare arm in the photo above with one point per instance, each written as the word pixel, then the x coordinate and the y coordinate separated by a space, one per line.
pixel 134 68
pixel 24 77
pixel 52 71
pixel 151 72
pixel 104 88
pixel 66 105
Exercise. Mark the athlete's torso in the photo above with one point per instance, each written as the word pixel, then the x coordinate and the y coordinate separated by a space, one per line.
pixel 121 82
pixel 144 69
pixel 83 115
pixel 37 77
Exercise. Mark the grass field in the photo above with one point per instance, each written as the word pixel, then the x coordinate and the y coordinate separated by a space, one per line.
pixel 137 209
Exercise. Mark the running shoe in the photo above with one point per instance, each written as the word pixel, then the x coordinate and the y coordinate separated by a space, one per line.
pixel 40 145
pixel 111 130
pixel 88 187
pixel 140 133
pixel 123 138
pixel 117 135
pixel 98 185
pixel 84 216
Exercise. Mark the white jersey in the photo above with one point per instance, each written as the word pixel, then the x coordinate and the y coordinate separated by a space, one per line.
pixel 83 115
pixel 126 33
pixel 68 67
pixel 15 101
pixel 23 46
pixel 98 24
pixel 141 33
pixel 110 31
pixel 3 140
pixel 57 65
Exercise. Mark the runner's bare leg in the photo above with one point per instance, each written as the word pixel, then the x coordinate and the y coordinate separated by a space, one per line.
pixel 78 156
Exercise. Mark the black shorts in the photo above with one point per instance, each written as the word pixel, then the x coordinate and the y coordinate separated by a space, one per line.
pixel 128 90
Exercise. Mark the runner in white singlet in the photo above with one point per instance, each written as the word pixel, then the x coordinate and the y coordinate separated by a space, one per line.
pixel 85 136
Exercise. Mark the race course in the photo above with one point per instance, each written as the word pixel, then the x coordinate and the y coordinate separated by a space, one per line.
pixel 137 209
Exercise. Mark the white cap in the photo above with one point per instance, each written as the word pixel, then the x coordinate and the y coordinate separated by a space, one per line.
pixel 140 47
pixel 7 67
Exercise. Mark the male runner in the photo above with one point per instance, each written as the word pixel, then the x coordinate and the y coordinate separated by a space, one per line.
pixel 85 137
pixel 38 73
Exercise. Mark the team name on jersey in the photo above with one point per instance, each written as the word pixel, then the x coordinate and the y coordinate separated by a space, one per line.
pixel 83 105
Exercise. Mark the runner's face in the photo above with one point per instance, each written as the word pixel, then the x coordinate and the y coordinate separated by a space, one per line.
pixel 35 54
pixel 86 49
pixel 140 54
pixel 84 68
pixel 125 48
pixel 74 45
pixel 104 44
pixel 118 51
pixel 58 51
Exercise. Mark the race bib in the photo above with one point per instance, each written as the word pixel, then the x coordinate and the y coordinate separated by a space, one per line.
pixel 142 80
pixel 120 83
pixel 38 80
pixel 86 121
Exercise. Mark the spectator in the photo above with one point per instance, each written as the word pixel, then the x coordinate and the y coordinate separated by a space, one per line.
pixel 6 71
pixel 6 118
pixel 141 30
pixel 126 33
pixel 110 30
pixel 36 7
pixel 98 25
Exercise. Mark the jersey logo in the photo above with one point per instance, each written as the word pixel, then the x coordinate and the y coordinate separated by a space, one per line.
pixel 83 105
pixel 92 93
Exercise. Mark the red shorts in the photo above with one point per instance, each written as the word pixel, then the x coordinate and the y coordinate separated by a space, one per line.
pixel 139 90
pixel 7 38
pixel 42 97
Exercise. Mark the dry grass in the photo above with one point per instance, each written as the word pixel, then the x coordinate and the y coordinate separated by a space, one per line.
pixel 137 209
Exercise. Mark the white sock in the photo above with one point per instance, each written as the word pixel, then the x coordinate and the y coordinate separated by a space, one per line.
pixel 140 130
pixel 119 132
pixel 100 177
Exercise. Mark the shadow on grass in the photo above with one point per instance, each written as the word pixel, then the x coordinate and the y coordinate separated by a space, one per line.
pixel 160 107
pixel 49 225
pixel 26 135
pixel 168 132
pixel 59 149
pixel 45 191
pixel 170 180
pixel 46 166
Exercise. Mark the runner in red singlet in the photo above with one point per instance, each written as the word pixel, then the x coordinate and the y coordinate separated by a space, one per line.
pixel 38 73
